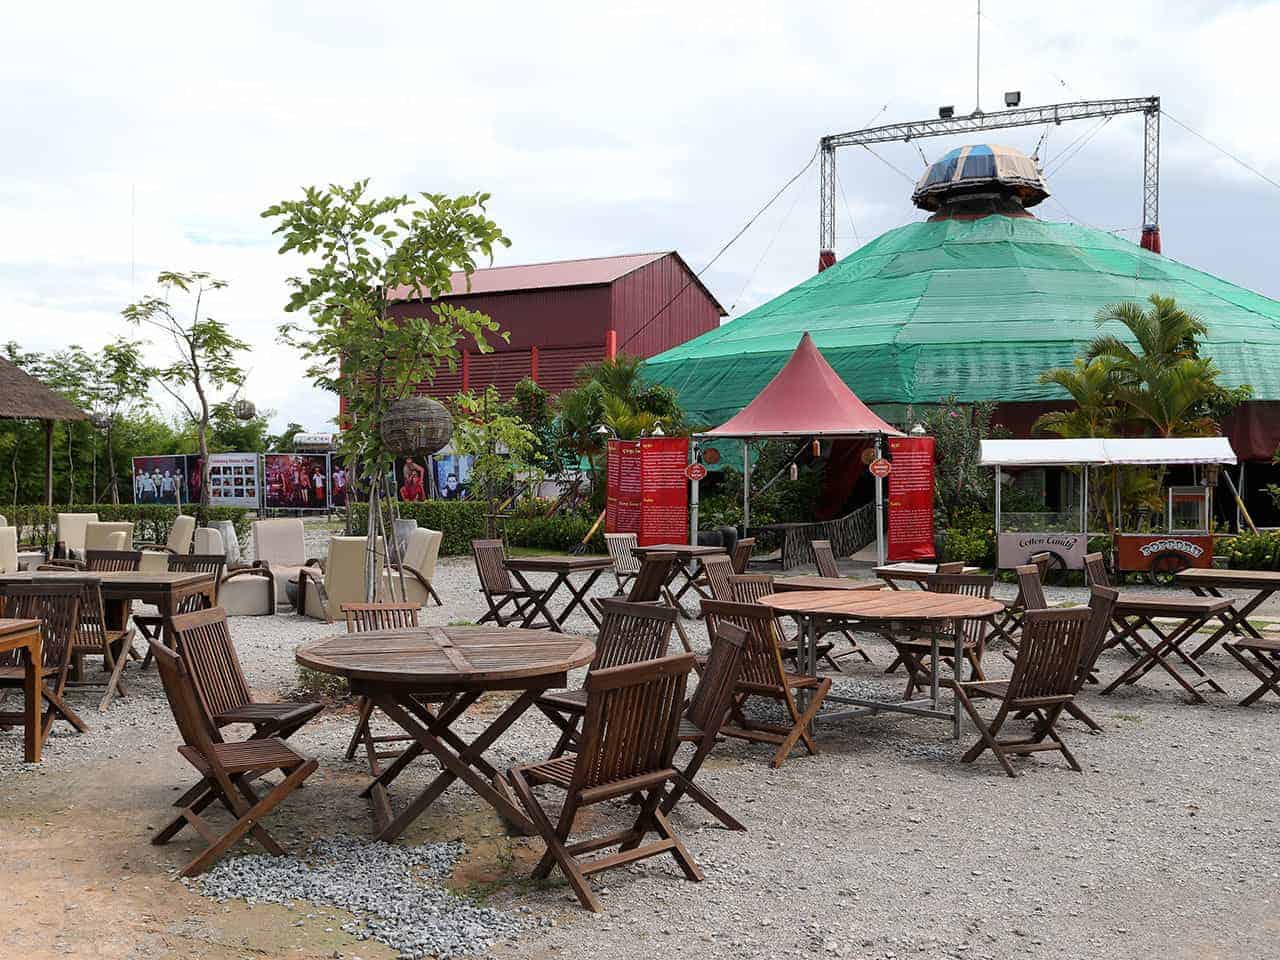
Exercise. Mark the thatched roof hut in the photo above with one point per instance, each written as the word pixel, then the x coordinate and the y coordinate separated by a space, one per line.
pixel 23 397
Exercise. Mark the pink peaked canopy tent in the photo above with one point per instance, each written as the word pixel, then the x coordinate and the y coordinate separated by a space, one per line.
pixel 806 398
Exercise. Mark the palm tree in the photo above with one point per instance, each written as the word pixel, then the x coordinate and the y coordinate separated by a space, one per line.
pixel 1164 385
pixel 1090 385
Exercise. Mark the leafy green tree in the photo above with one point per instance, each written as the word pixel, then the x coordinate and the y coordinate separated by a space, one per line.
pixel 284 440
pixel 501 442
pixel 204 353
pixel 1091 385
pixel 364 252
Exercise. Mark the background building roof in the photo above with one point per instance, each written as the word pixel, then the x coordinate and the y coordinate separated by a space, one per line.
pixel 23 397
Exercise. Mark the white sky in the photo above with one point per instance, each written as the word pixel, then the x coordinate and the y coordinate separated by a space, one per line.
pixel 598 128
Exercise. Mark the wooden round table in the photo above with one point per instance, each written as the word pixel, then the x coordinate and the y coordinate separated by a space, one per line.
pixel 921 611
pixel 401 671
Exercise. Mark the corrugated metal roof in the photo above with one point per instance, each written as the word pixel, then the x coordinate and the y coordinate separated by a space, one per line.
pixel 587 272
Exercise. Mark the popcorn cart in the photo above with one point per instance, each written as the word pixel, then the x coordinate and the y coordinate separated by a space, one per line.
pixel 1187 542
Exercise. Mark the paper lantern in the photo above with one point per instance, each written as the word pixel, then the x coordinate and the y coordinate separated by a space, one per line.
pixel 416 426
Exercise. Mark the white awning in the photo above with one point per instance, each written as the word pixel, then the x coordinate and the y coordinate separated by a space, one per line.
pixel 1143 450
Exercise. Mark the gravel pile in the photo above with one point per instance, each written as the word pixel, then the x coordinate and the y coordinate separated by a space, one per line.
pixel 390 889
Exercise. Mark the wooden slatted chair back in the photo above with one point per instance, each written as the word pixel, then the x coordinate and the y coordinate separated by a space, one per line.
pixel 193 722
pixel 1030 589
pixel 111 561
pixel 750 587
pixel 968 585
pixel 91 630
pixel 655 571
pixel 1048 654
pixel 632 716
pixel 213 563
pixel 619 546
pixel 56 605
pixel 1096 569
pixel 631 632
pixel 825 558
pixel 762 656
pixel 1042 561
pixel 362 617
pixel 741 555
pixel 491 566
pixel 711 701
pixel 718 568
pixel 204 643
pixel 1102 603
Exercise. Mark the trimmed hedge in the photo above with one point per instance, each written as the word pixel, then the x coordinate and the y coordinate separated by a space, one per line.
pixel 151 521
pixel 462 521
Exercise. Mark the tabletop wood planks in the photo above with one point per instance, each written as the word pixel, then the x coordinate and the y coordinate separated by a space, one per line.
pixel 915 605
pixel 1243 579
pixel 787 584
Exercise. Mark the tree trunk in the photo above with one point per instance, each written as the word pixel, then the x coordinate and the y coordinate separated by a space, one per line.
pixel 111 465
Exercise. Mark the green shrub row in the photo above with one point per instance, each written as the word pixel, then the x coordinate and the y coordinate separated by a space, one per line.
pixel 1250 551
pixel 462 521
pixel 151 521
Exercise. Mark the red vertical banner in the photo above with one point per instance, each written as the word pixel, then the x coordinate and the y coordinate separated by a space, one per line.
pixel 646 491
pixel 910 497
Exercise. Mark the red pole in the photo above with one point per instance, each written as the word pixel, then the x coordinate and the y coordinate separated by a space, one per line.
pixel 466 369
pixel 610 344
pixel 533 364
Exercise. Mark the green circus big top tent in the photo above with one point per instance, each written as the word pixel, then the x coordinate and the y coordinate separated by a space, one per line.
pixel 976 308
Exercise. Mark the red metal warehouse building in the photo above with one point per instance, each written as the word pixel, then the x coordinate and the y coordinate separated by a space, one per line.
pixel 568 313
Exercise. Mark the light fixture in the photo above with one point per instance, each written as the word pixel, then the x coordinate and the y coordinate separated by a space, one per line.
pixel 603 431
pixel 918 430
pixel 795 472
pixel 657 430
pixel 946 113
pixel 1012 98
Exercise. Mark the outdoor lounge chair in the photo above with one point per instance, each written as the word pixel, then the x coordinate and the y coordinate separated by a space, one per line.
pixel 8 549
pixel 321 594
pixel 227 771
pixel 155 556
pixel 625 563
pixel 705 715
pixel 421 551
pixel 628 742
pixel 56 604
pixel 113 535
pixel 280 547
pixel 630 632
pixel 1044 676
pixel 497 586
pixel 71 528
pixel 763 675
pixel 362 617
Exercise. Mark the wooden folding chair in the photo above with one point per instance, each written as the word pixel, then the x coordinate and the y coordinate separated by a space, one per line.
pixel 749 588
pixel 361 618
pixel 203 640
pixel 1102 603
pixel 741 555
pixel 916 652
pixel 705 715
pixel 497 586
pixel 629 633
pixel 824 558
pixel 649 585
pixel 94 637
pixel 1261 657
pixel 628 742
pixel 213 563
pixel 763 675
pixel 1044 676
pixel 108 561
pixel 625 563
pixel 1009 625
pixel 717 568
pixel 57 606
pixel 227 771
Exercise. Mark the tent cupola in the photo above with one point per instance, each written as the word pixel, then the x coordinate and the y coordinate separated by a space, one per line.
pixel 980 179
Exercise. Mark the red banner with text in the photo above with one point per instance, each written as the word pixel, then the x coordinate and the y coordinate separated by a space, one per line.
pixel 647 492
pixel 910 498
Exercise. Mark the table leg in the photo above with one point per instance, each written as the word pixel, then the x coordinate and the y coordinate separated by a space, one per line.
pixel 579 597
pixel 1156 656
pixel 455 765
pixel 680 569
pixel 32 741
pixel 1234 621
pixel 538 604
pixel 957 669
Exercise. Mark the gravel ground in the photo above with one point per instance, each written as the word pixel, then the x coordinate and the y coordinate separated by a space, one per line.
pixel 883 845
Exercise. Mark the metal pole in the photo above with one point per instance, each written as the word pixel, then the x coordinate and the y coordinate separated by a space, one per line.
pixel 999 484
pixel 1084 506
pixel 693 496
pixel 746 485
pixel 879 512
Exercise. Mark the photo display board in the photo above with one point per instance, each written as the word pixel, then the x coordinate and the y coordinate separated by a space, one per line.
pixel 296 481
pixel 234 480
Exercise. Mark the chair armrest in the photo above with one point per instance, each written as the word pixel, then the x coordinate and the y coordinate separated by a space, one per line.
pixel 409 571
pixel 314 562
pixel 251 571
pixel 163 548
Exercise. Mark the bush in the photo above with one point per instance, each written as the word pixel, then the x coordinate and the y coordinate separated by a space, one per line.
pixel 1250 551
pixel 462 521
pixel 560 532
pixel 151 521
pixel 971 540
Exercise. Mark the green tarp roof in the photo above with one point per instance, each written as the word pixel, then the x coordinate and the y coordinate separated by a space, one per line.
pixel 974 308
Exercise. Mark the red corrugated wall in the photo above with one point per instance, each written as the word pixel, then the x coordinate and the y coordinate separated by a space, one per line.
pixel 644 326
